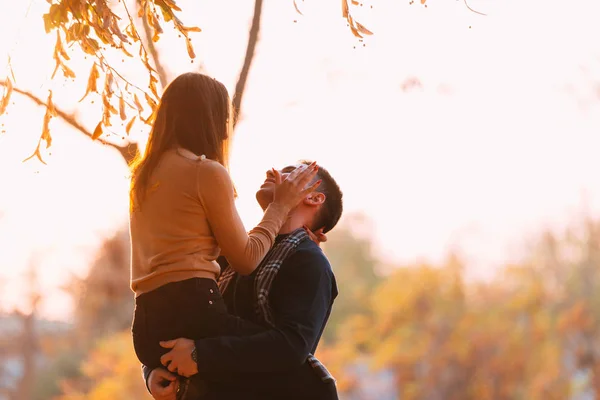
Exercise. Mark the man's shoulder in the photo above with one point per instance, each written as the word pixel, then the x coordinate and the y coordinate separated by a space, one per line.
pixel 308 256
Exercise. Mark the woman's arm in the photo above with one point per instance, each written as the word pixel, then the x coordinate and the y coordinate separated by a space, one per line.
pixel 244 251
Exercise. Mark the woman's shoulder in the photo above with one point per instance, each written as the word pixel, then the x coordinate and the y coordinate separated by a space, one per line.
pixel 212 174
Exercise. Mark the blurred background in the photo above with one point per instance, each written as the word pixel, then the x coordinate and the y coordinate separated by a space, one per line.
pixel 468 257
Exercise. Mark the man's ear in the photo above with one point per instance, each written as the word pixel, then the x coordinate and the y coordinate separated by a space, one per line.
pixel 314 199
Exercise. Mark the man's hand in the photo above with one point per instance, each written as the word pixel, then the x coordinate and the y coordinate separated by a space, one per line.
pixel 318 236
pixel 159 377
pixel 179 359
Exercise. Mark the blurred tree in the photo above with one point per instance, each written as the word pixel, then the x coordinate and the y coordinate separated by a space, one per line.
pixel 110 371
pixel 104 299
pixel 354 266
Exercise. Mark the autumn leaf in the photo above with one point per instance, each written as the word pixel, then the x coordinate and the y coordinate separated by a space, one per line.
pixel 150 101
pixel 58 47
pixel 6 98
pixel 122 108
pixel 191 29
pixel 92 85
pixel 67 72
pixel 152 85
pixel 362 29
pixel 137 102
pixel 97 132
pixel 190 48
pixel 345 11
pixel 296 7
pixel 130 124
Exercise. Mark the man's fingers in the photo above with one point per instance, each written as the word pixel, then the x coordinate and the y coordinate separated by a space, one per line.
pixel 165 359
pixel 164 374
pixel 164 391
pixel 168 344
pixel 172 367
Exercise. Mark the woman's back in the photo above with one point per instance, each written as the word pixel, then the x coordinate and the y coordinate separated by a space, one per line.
pixel 171 237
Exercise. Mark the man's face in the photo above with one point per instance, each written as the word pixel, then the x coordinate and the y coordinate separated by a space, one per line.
pixel 264 196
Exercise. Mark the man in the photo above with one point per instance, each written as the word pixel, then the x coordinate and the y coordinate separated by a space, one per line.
pixel 292 293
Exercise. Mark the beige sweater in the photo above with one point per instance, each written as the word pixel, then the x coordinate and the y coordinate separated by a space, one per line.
pixel 187 219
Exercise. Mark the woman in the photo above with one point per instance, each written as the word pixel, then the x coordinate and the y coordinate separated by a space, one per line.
pixel 183 217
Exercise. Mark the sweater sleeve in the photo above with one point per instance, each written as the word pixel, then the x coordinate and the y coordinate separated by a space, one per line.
pixel 243 250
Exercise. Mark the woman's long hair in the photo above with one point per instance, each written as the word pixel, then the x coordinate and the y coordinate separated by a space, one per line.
pixel 194 113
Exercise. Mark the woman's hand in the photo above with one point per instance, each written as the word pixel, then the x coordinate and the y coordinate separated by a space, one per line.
pixel 291 191
pixel 317 236
pixel 179 359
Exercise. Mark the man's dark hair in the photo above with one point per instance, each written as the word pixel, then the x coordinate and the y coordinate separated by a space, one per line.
pixel 331 211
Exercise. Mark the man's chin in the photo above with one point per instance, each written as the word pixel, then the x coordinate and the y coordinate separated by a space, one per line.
pixel 264 197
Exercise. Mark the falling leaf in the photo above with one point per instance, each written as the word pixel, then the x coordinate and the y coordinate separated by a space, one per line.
pixel 150 101
pixel 362 29
pixel 137 102
pixel 97 132
pixel 192 29
pixel 297 9
pixel 58 47
pixel 6 98
pixel 122 108
pixel 152 85
pixel 345 8
pixel 92 81
pixel 67 72
pixel 130 124
pixel 190 49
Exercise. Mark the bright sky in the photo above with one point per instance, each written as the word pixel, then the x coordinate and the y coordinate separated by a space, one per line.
pixel 499 141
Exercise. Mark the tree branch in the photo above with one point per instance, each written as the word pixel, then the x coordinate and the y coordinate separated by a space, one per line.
pixel 160 69
pixel 128 152
pixel 252 39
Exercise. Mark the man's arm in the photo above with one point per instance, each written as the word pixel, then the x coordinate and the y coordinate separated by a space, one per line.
pixel 300 298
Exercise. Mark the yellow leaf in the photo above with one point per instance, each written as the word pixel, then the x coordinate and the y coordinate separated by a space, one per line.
pixel 97 132
pixel 150 101
pixel 297 9
pixel 190 49
pixel 122 109
pixel 353 28
pixel 362 29
pixel 170 3
pixel 58 48
pixel 6 98
pixel 67 72
pixel 130 124
pixel 92 81
pixel 192 29
pixel 152 85
pixel 137 102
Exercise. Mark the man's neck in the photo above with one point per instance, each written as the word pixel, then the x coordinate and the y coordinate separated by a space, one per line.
pixel 294 221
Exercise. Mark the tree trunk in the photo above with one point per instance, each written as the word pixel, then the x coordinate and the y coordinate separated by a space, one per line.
pixel 242 79
pixel 162 73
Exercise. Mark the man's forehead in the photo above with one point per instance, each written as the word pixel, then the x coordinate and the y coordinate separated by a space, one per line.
pixel 290 168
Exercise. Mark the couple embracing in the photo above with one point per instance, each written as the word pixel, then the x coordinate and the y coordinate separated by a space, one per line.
pixel 221 313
